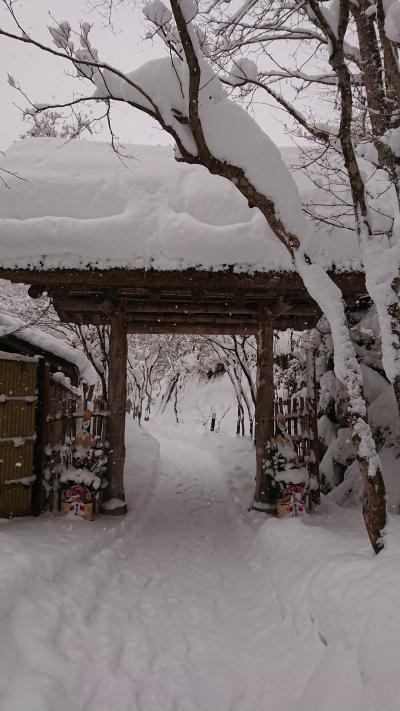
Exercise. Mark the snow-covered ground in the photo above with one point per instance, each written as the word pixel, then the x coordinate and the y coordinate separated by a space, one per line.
pixel 192 603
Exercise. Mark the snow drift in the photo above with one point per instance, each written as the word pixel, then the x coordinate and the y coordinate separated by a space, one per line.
pixel 79 207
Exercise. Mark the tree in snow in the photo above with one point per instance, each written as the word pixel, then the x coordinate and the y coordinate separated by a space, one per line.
pixel 344 54
pixel 52 124
pixel 339 470
pixel 184 95
pixel 237 354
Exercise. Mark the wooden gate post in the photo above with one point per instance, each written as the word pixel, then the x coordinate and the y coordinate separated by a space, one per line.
pixel 264 414
pixel 117 372
pixel 312 393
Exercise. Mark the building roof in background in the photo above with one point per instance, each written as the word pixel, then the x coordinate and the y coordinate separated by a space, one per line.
pixel 11 327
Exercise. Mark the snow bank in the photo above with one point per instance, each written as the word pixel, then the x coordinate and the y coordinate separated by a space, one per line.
pixel 183 605
pixel 38 550
pixel 10 325
pixel 331 588
pixel 81 207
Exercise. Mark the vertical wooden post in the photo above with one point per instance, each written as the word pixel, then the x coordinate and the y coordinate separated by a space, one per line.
pixel 113 502
pixel 312 393
pixel 42 386
pixel 264 415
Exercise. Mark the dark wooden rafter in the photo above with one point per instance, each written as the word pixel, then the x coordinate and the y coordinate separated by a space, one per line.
pixel 176 281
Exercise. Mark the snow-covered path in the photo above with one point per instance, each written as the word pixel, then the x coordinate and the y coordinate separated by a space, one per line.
pixel 169 610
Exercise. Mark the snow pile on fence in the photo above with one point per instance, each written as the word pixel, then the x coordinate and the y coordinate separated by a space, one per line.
pixel 11 326
pixel 78 206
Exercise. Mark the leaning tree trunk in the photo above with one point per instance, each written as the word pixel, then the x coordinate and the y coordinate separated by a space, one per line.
pixel 348 371
pixel 383 286
pixel 384 110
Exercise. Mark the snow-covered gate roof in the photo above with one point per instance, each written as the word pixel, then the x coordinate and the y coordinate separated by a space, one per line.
pixel 78 207
pixel 171 246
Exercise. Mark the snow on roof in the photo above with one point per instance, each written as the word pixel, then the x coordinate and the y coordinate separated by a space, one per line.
pixel 14 326
pixel 81 207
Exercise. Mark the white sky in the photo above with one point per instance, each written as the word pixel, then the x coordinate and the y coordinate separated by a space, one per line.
pixel 45 78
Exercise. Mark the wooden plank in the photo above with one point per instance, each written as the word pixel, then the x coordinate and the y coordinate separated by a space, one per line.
pixel 17 418
pixel 295 412
pixel 312 391
pixel 196 278
pixel 206 328
pixel 15 500
pixel 17 378
pixel 264 411
pixel 302 427
pixel 178 318
pixel 16 462
pixel 43 375
pixel 162 305
pixel 117 373
pixel 190 328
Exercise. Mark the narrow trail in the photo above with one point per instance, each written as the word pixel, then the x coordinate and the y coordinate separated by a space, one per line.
pixel 171 616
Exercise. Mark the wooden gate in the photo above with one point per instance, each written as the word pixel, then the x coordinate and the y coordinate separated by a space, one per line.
pixel 18 414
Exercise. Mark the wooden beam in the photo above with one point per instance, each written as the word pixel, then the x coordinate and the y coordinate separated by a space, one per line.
pixel 264 424
pixel 179 318
pixel 117 372
pixel 260 284
pixel 159 325
pixel 151 307
pixel 180 304
pixel 206 329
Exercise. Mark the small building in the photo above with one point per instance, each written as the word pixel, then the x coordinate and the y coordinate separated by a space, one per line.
pixel 41 396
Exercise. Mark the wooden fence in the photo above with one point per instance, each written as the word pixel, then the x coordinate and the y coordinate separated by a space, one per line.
pixel 63 423
pixel 40 414
pixel 296 413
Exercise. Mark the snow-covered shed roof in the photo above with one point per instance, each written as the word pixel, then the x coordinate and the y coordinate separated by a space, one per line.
pixel 46 343
pixel 78 206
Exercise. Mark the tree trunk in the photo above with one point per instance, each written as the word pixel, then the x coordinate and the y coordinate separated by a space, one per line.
pixel 374 505
pixel 391 65
pixel 117 374
pixel 370 250
pixel 239 418
pixel 242 425
pixel 348 371
pixel 251 427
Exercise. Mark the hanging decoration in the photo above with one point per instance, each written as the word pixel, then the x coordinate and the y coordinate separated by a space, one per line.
pixel 287 476
pixel 85 464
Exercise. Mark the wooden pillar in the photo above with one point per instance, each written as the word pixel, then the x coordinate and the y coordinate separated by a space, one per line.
pixel 113 502
pixel 264 415
pixel 312 394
